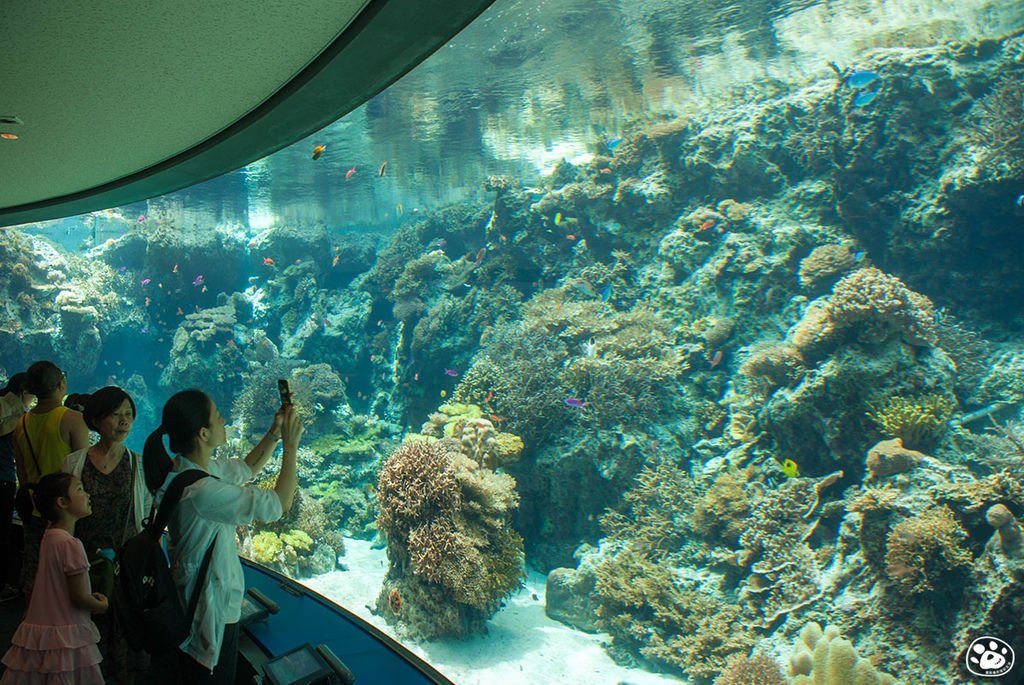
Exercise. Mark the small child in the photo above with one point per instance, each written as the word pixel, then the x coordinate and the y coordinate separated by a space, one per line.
pixel 56 641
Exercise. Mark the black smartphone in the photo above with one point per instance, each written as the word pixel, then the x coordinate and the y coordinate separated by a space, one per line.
pixel 285 392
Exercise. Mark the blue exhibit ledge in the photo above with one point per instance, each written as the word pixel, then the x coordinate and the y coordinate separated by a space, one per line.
pixel 308 617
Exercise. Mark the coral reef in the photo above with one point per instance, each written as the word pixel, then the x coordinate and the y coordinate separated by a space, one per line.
pixel 822 656
pixel 758 669
pixel 452 551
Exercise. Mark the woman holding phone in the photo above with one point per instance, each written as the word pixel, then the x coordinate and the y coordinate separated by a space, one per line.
pixel 206 517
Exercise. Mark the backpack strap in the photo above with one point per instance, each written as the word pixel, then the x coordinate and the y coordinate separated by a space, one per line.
pixel 163 517
pixel 172 497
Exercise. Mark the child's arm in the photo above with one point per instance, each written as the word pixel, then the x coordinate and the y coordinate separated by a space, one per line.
pixel 78 588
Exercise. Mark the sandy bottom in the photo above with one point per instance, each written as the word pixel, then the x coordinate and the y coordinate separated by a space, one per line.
pixel 523 645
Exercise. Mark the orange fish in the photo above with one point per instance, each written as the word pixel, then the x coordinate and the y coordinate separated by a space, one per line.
pixel 480 256
pixel 606 170
pixel 175 269
pixel 318 150
pixel 497 419
pixel 268 261
pixel 570 237
pixel 351 172
pixel 383 168
pixel 180 313
pixel 707 224
pixel 490 396
pixel 715 360
pixel 334 262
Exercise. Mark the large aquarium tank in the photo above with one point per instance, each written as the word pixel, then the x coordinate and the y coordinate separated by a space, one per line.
pixel 636 341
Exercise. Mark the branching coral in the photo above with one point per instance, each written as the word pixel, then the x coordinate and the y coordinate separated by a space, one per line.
pixel 997 125
pixel 448 525
pixel 758 669
pixel 651 612
pixel 869 298
pixel 920 422
pixel 871 306
pixel 926 552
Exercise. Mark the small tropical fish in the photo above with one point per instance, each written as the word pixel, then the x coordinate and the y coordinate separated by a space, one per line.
pixel 334 262
pixel 860 79
pixel 146 281
pixel 399 210
pixel 864 99
pixel 480 257
pixel 451 372
pixel 198 280
pixel 383 168
pixel 614 143
pixel 268 261
pixel 606 293
pixel 147 302
pixel 558 218
pixel 497 419
pixel 318 150
pixel 490 396
pixel 605 170
pixel 179 312
pixel 203 290
pixel 573 402
pixel 350 173
pixel 441 243
pixel 142 217
pixel 715 360
pixel 790 468
pixel 444 393
pixel 571 237
pixel 584 287
pixel 707 224
pixel 175 269
pixel 1018 207
pixel 416 376
pixel 590 349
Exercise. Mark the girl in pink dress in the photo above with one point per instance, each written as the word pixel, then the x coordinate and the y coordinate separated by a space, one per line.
pixel 56 641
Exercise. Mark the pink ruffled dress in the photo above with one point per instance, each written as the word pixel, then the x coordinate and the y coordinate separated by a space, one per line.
pixel 56 642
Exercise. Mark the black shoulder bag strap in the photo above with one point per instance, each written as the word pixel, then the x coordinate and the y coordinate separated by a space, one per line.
pixel 163 517
pixel 32 450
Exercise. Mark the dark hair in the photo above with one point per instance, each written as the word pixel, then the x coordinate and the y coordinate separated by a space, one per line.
pixel 184 414
pixel 103 403
pixel 17 384
pixel 48 490
pixel 44 378
pixel 76 401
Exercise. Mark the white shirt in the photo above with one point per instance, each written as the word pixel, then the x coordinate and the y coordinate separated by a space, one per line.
pixel 209 510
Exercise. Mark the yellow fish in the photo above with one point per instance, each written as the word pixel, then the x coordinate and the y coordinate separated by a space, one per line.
pixel 790 468
pixel 558 218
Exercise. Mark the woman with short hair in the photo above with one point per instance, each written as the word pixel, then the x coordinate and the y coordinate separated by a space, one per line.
pixel 112 475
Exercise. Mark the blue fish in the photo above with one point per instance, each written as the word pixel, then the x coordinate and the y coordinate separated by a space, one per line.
pixel 864 99
pixel 614 143
pixel 859 79
pixel 606 293
pixel 1018 208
